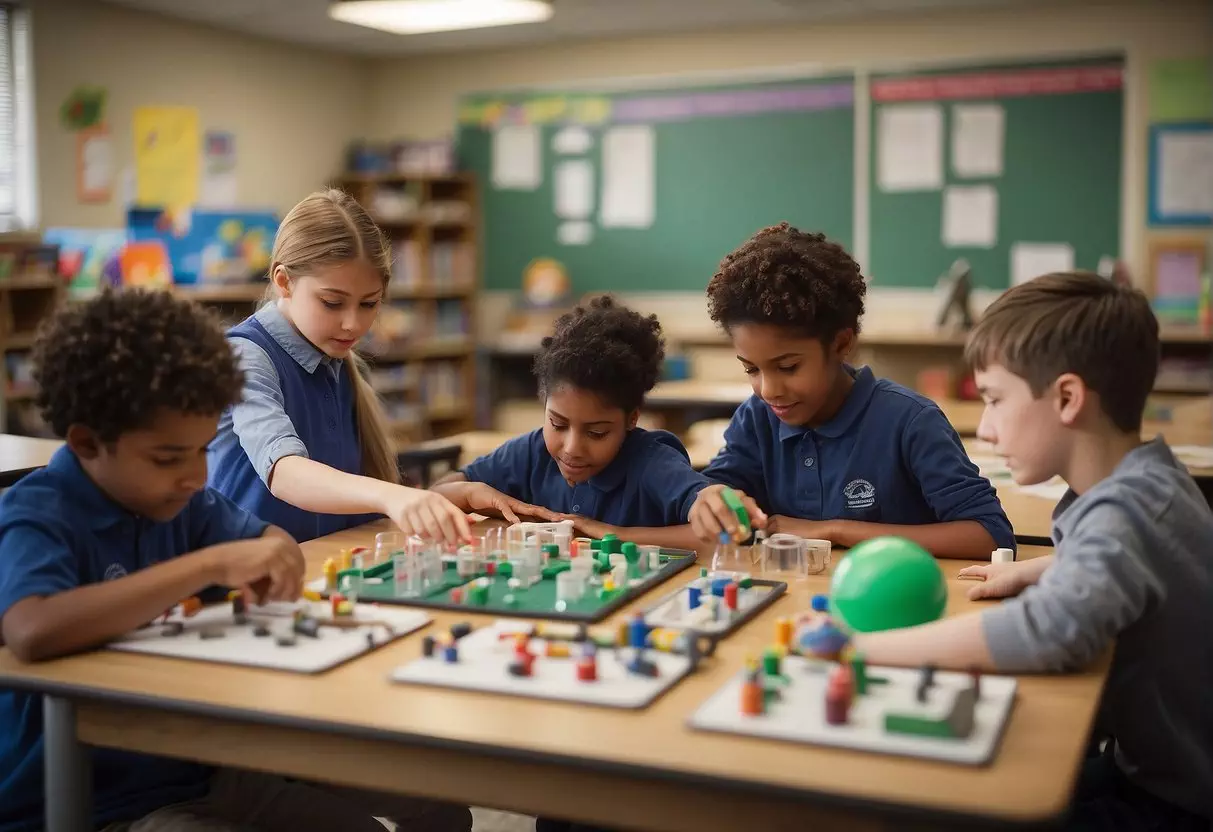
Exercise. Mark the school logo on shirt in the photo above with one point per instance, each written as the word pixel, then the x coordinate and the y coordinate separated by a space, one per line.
pixel 115 571
pixel 859 494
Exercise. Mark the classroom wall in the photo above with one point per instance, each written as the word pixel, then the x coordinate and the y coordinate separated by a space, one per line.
pixel 417 97
pixel 293 111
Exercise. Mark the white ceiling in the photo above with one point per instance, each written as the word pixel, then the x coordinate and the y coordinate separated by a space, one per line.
pixel 307 21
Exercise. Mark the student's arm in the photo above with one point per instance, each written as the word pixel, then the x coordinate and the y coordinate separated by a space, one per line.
pixel 962 499
pixel 739 464
pixel 479 498
pixel 971 522
pixel 670 537
pixel 44 613
pixel 961 539
pixel 280 458
pixel 498 484
pixel 1094 589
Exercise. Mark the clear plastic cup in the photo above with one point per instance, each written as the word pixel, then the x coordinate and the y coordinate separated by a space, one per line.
pixel 786 554
pixel 388 544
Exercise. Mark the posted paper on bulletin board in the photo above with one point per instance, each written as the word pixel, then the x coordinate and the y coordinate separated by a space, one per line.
pixel 167 156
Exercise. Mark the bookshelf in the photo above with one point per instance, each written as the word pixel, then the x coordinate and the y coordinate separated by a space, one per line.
pixel 29 289
pixel 421 350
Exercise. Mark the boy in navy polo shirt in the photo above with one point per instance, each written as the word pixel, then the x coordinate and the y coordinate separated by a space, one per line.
pixel 118 528
pixel 1065 364
pixel 589 461
pixel 827 450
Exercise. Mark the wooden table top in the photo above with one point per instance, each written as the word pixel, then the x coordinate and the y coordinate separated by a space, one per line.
pixel 21 454
pixel 572 754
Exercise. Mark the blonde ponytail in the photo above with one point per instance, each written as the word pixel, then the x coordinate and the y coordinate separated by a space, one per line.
pixel 325 229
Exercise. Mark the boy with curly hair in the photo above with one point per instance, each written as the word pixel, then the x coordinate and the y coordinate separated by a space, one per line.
pixel 1065 363
pixel 120 527
pixel 826 450
pixel 590 462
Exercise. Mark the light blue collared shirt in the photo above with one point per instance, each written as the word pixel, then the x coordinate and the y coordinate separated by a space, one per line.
pixel 259 421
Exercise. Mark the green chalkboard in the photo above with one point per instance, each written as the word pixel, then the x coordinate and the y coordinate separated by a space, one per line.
pixel 735 159
pixel 1061 178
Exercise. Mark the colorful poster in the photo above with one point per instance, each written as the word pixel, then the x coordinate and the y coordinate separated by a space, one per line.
pixel 1181 89
pixel 167 156
pixel 94 165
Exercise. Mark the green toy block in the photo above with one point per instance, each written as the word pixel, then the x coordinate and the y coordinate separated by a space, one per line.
pixel 552 570
pixel 746 582
pixel 595 545
pixel 917 726
pixel 730 498
pixel 506 569
pixel 551 550
pixel 632 552
pixel 611 544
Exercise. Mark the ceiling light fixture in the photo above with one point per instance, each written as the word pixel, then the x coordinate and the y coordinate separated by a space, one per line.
pixel 415 17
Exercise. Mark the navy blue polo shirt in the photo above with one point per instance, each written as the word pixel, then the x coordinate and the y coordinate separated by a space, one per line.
pixel 59 531
pixel 888 456
pixel 649 483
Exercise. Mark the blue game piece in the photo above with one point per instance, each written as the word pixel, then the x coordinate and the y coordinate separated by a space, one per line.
pixel 821 603
pixel 693 594
pixel 718 585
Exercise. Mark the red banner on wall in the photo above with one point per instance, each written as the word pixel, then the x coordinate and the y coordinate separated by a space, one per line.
pixel 1000 83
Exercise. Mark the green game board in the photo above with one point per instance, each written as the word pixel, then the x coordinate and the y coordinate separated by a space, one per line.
pixel 536 601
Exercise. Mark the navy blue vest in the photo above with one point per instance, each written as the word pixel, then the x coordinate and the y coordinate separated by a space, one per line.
pixel 322 410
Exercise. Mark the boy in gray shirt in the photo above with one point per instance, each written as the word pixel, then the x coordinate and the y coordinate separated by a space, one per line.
pixel 1064 364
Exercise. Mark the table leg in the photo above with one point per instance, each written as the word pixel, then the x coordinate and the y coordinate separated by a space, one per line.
pixel 69 769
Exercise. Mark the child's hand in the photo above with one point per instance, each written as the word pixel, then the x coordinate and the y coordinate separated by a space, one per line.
pixel 481 497
pixel 426 514
pixel 1000 580
pixel 808 529
pixel 710 515
pixel 268 568
pixel 589 527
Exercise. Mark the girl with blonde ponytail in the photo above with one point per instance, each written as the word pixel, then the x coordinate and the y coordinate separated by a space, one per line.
pixel 308 447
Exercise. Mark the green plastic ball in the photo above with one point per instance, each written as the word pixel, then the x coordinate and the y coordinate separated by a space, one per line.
pixel 885 583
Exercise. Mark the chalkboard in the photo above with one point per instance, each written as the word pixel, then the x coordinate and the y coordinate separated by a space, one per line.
pixel 727 162
pixel 1060 180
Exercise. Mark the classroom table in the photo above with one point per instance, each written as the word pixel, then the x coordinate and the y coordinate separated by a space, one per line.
pixel 19 455
pixel 631 769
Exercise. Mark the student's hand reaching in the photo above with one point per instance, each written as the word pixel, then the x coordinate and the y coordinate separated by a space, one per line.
pixel 481 497
pixel 710 515
pixel 267 568
pixel 808 529
pixel 1003 580
pixel 426 514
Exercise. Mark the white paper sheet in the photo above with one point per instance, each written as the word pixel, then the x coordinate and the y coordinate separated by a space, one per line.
pixel 977 139
pixel 517 158
pixel 1185 174
pixel 1031 260
pixel 572 140
pixel 910 147
pixel 970 216
pixel 97 175
pixel 574 185
pixel 576 233
pixel 628 173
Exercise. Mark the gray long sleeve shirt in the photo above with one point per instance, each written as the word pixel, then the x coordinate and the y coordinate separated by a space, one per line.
pixel 1134 564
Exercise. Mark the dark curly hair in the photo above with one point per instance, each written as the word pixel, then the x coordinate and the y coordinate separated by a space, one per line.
pixel 605 348
pixel 112 362
pixel 789 278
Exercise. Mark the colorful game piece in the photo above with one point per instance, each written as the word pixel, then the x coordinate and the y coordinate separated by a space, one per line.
pixel 783 634
pixel 733 501
pixel 730 597
pixel 190 606
pixel 886 583
pixel 820 638
pixel 427 646
pixel 457 595
pixel 587 663
pixel 329 570
pixel 838 695
pixel 460 630
pixel 753 697
pixel 450 653
pixel 693 596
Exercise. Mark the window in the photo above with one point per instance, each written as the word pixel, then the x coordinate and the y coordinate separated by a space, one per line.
pixel 18 182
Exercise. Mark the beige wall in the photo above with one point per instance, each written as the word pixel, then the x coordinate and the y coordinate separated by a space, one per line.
pixel 417 97
pixel 292 110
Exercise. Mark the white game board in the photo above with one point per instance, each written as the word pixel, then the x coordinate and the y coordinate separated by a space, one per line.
pixel 484 657
pixel 239 645
pixel 800 715
pixel 673 609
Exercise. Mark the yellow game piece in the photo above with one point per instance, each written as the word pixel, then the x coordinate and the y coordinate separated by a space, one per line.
pixel 345 608
pixel 330 574
pixel 347 559
pixel 312 595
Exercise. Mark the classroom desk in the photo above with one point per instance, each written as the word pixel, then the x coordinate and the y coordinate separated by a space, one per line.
pixel 642 769
pixel 19 455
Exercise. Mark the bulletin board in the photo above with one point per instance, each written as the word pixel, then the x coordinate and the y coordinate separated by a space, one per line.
pixel 1013 168
pixel 648 190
